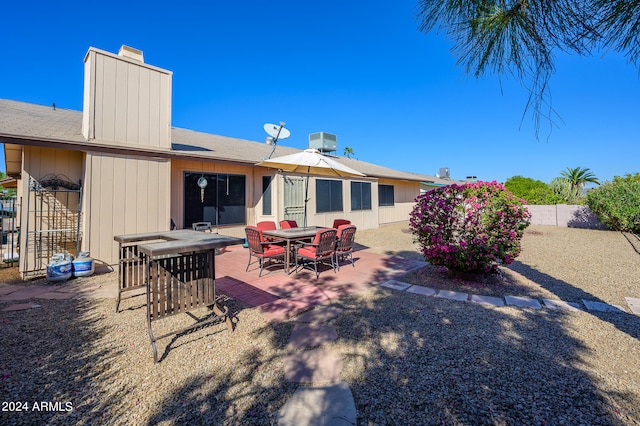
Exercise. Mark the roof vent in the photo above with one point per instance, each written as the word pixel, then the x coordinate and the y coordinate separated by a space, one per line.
pixel 323 142
pixel 131 53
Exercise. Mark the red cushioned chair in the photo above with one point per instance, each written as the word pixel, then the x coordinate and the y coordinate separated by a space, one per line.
pixel 344 245
pixel 321 249
pixel 288 224
pixel 261 249
pixel 338 222
pixel 267 225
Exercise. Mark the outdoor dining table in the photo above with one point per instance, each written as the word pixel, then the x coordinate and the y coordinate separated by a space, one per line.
pixel 177 269
pixel 292 234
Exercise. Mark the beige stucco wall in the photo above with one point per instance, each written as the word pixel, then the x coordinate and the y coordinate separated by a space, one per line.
pixel 123 196
pixel 405 194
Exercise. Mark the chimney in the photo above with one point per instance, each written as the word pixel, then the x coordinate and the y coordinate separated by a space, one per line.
pixel 126 102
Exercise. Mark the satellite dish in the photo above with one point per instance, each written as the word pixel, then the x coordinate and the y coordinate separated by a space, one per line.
pixel 277 131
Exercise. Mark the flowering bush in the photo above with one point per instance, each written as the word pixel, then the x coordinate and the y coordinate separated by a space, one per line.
pixel 471 227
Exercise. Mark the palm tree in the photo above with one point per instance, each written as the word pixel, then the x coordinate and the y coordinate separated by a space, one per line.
pixel 578 177
pixel 348 151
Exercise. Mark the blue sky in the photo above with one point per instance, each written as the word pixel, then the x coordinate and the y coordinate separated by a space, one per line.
pixel 392 94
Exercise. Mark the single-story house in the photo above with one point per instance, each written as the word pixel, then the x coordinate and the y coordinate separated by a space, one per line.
pixel 119 167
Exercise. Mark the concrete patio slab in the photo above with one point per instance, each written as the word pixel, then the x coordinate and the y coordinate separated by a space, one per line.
pixel 487 300
pixel 320 314
pixel 331 405
pixel 309 335
pixel 315 366
pixel 395 285
pixel 25 293
pixel 452 295
pixel 601 306
pixel 634 304
pixel 424 291
pixel 561 305
pixel 522 302
pixel 21 307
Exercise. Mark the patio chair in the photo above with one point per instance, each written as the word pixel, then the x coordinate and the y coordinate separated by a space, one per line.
pixel 322 249
pixel 338 222
pixel 288 224
pixel 267 225
pixel 344 245
pixel 261 249
pixel 201 226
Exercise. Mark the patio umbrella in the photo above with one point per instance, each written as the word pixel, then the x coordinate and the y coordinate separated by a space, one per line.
pixel 311 162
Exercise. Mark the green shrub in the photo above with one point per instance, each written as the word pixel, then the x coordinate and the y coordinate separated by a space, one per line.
pixel 617 203
pixel 531 190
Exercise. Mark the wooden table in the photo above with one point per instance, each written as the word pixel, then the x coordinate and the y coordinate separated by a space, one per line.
pixel 177 268
pixel 292 234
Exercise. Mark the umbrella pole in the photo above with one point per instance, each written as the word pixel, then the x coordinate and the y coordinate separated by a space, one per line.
pixel 306 198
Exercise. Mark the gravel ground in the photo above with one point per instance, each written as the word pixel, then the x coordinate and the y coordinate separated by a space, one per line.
pixel 409 359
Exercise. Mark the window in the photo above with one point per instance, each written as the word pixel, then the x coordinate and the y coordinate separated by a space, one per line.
pixel 360 195
pixel 328 195
pixel 222 202
pixel 266 195
pixel 385 195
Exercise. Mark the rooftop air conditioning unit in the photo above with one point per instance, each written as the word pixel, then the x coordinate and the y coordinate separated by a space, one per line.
pixel 443 173
pixel 323 142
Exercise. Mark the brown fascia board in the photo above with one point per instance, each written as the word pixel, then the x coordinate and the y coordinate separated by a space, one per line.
pixel 95 146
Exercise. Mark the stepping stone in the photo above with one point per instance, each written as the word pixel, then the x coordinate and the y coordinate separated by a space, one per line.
pixel 309 335
pixel 315 366
pixel 319 405
pixel 453 295
pixel 21 307
pixel 522 302
pixel 320 314
pixel 561 305
pixel 634 304
pixel 601 307
pixel 57 296
pixel 396 285
pixel 6 289
pixel 424 291
pixel 25 293
pixel 487 300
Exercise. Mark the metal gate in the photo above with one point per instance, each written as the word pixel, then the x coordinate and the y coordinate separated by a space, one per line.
pixel 9 207
pixel 294 198
pixel 54 205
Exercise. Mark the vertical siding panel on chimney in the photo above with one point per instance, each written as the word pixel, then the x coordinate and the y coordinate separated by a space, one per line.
pixel 165 111
pixel 122 113
pixel 99 94
pixel 155 107
pixel 143 124
pixel 133 105
pixel 109 100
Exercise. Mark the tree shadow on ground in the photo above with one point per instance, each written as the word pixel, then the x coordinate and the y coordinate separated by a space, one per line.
pixel 58 354
pixel 623 321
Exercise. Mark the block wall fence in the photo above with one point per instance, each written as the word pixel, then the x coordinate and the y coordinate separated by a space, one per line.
pixel 572 216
